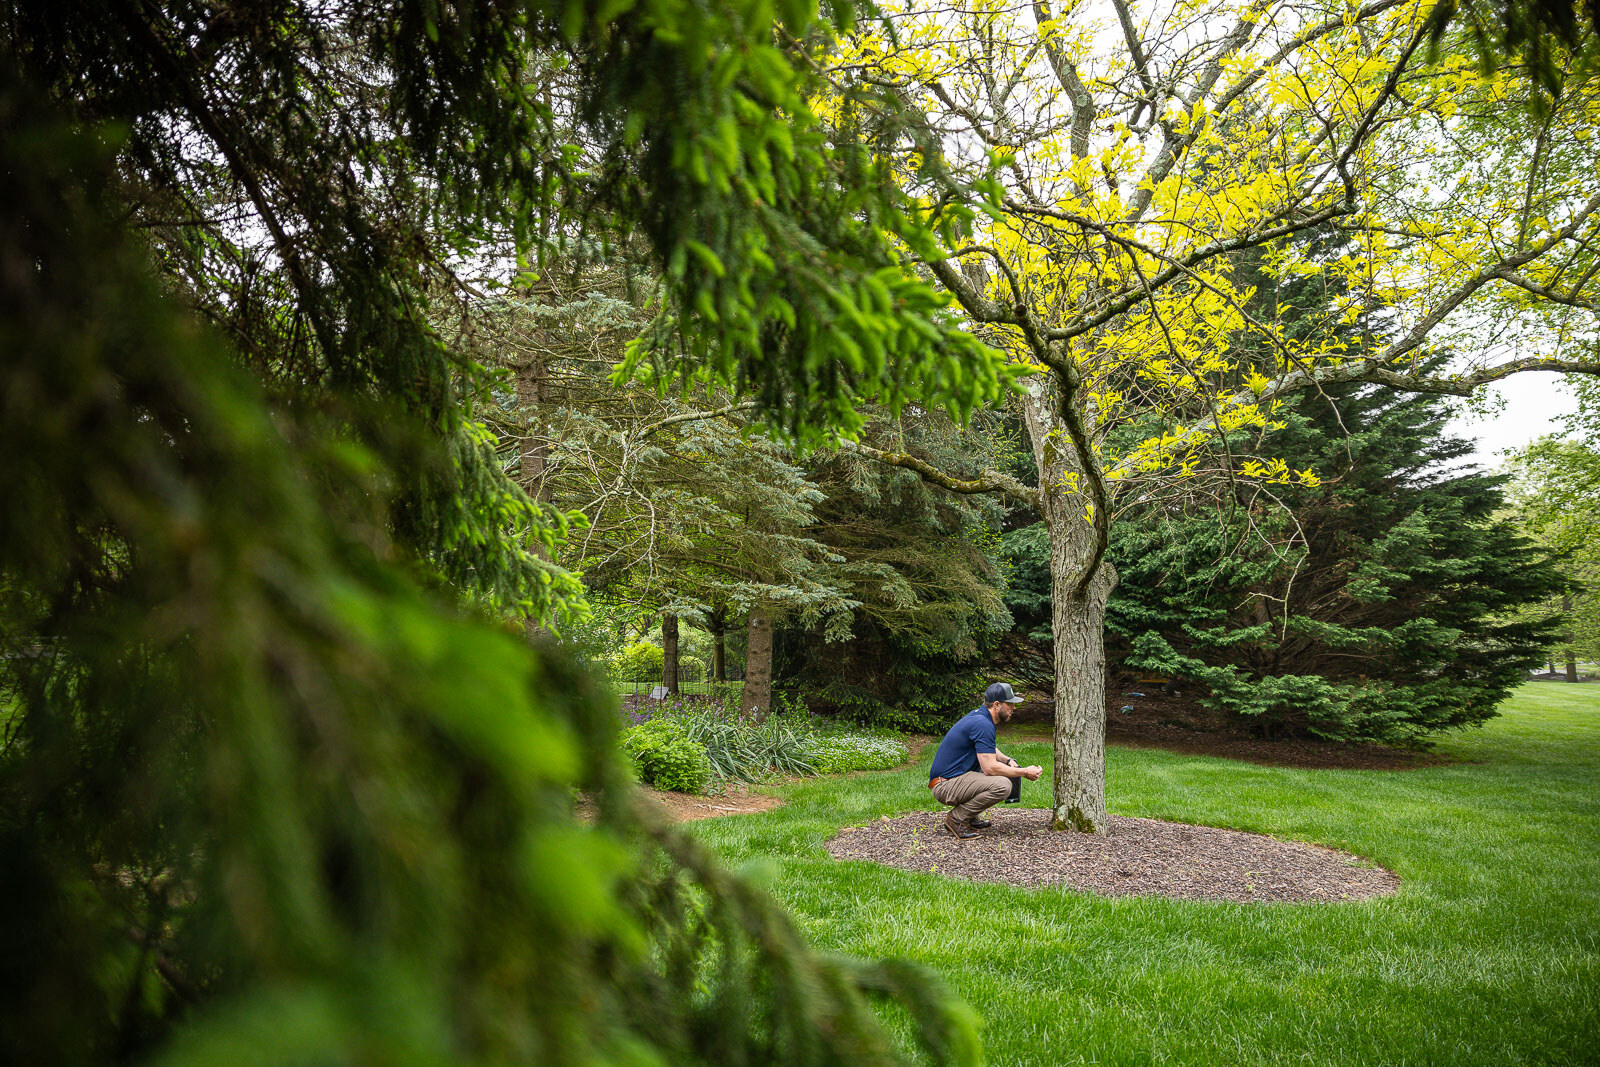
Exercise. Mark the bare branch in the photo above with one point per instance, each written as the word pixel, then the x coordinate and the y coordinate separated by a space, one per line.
pixel 695 416
pixel 1172 145
pixel 1463 385
pixel 1571 299
pixel 990 481
pixel 1083 108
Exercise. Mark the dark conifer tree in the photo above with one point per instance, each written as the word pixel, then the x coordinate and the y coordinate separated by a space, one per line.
pixel 1375 607
pixel 922 565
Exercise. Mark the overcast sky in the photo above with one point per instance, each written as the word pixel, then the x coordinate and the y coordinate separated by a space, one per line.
pixel 1531 404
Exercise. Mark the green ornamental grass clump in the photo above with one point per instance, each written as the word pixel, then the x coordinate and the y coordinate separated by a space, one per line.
pixel 690 745
pixel 666 757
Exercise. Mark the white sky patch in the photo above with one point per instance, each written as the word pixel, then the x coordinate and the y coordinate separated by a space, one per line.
pixel 1514 413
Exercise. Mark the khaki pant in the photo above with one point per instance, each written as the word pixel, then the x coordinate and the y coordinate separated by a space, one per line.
pixel 973 793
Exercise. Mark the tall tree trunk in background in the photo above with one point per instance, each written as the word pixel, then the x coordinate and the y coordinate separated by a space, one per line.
pixel 718 623
pixel 534 453
pixel 1077 621
pixel 1572 655
pixel 534 449
pixel 757 701
pixel 669 652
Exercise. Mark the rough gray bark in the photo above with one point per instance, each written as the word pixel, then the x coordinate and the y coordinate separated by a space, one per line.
pixel 1572 656
pixel 757 700
pixel 534 451
pixel 669 652
pixel 1078 624
pixel 1077 621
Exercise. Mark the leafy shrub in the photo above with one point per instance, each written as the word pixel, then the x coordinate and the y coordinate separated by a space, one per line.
pixel 666 757
pixel 855 752
pixel 640 662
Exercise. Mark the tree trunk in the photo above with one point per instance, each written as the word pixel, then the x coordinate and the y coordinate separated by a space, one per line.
pixel 1572 654
pixel 718 621
pixel 757 700
pixel 1077 619
pixel 534 450
pixel 669 652
pixel 1077 623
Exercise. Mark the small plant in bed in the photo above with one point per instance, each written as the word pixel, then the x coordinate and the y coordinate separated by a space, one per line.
pixel 840 753
pixel 738 749
pixel 666 757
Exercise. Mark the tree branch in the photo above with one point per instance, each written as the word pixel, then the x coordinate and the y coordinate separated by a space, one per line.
pixel 990 481
pixel 1129 297
pixel 696 416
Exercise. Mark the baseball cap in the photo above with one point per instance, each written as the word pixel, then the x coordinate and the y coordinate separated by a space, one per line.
pixel 1001 691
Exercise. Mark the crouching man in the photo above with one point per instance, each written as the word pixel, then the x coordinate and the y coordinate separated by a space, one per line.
pixel 970 773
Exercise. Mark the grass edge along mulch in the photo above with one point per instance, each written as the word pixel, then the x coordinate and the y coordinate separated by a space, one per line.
pixel 1134 857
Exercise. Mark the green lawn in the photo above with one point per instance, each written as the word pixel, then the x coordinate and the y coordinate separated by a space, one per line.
pixel 1490 953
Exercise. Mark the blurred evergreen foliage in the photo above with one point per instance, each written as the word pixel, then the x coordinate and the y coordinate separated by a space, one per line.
pixel 1530 33
pixel 265 794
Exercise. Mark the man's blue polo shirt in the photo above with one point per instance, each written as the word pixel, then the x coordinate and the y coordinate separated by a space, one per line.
pixel 958 752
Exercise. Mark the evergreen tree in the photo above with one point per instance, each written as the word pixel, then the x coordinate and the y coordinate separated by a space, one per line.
pixel 688 510
pixel 922 566
pixel 1377 606
pixel 260 788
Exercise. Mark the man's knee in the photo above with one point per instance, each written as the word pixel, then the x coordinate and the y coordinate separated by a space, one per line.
pixel 997 786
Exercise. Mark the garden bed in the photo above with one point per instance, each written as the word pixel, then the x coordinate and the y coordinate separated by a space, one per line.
pixel 1135 857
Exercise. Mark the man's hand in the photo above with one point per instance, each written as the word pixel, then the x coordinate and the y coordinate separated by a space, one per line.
pixel 1006 767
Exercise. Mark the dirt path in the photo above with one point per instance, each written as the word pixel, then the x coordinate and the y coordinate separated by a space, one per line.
pixel 687 807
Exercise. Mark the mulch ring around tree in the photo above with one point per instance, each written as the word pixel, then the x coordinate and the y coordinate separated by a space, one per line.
pixel 1135 856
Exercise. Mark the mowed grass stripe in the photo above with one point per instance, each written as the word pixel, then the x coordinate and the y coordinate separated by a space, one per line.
pixel 1490 953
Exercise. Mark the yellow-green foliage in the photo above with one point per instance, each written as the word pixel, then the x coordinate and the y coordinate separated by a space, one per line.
pixel 640 662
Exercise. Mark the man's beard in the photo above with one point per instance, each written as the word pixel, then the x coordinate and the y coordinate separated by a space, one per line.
pixel 1005 714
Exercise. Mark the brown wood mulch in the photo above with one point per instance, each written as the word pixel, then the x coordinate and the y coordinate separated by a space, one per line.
pixel 1135 857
